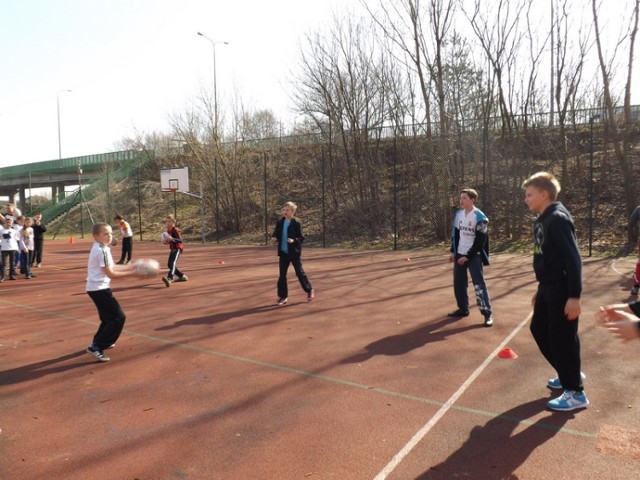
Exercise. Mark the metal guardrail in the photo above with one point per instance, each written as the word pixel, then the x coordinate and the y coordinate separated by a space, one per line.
pixel 54 209
pixel 69 165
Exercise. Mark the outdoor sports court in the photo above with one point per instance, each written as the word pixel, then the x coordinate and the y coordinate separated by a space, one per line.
pixel 371 380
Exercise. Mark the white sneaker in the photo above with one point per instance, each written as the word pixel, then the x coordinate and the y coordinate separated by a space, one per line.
pixel 569 400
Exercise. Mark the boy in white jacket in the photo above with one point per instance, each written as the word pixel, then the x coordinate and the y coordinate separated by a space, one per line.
pixel 9 244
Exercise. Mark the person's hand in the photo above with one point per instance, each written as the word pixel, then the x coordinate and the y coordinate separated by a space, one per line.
pixel 274 239
pixel 289 240
pixel 609 315
pixel 462 260
pixel 622 325
pixel 572 308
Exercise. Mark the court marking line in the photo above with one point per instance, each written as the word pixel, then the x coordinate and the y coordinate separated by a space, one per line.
pixel 614 267
pixel 426 428
pixel 334 380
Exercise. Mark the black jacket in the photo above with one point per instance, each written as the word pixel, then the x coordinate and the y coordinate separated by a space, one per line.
pixel 38 230
pixel 294 231
pixel 556 258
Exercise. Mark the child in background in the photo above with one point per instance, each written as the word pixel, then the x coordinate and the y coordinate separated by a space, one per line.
pixel 175 251
pixel 469 252
pixel 100 271
pixel 126 237
pixel 39 230
pixel 9 245
pixel 288 237
pixel 26 245
pixel 18 224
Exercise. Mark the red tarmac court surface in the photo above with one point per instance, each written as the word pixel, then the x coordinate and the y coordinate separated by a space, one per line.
pixel 371 380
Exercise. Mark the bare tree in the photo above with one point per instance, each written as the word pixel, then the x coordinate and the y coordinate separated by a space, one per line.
pixel 569 58
pixel 498 32
pixel 344 89
pixel 620 134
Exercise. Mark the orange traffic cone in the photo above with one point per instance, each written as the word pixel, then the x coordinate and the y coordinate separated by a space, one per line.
pixel 507 353
pixel 71 239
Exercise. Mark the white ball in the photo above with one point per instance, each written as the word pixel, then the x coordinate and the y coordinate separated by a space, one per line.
pixel 165 237
pixel 147 267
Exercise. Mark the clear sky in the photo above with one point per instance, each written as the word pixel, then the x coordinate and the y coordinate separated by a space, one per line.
pixel 131 63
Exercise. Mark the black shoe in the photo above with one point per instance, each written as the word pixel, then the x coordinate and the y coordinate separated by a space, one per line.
pixel 461 312
pixel 488 320
pixel 120 262
pixel 96 352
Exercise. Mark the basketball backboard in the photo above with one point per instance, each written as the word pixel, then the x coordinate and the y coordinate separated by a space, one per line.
pixel 174 179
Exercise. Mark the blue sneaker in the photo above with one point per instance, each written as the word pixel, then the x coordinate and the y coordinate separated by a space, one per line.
pixel 555 382
pixel 569 400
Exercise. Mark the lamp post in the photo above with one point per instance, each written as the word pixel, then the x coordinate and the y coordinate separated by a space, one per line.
pixel 215 130
pixel 215 85
pixel 591 119
pixel 58 109
pixel 81 199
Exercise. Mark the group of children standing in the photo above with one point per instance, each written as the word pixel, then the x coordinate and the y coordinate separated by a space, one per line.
pixel 21 243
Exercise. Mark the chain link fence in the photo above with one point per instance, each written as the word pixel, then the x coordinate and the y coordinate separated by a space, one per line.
pixel 397 190
pixel 401 192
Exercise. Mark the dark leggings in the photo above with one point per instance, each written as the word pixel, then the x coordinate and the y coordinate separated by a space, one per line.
pixel 112 318
pixel 172 264
pixel 127 249
pixel 285 260
pixel 557 336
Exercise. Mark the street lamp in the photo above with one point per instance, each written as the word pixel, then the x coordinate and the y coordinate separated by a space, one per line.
pixel 215 130
pixel 591 119
pixel 58 105
pixel 215 86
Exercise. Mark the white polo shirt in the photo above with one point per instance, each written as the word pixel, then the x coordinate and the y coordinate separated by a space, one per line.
pixel 99 257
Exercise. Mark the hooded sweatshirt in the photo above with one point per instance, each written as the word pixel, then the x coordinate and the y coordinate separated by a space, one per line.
pixel 556 259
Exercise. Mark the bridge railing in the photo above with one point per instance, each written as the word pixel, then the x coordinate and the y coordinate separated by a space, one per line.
pixel 55 208
pixel 69 165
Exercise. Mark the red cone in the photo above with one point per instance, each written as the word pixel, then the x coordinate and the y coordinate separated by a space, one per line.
pixel 507 353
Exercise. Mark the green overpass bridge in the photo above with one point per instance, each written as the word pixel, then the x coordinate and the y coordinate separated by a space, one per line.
pixel 16 182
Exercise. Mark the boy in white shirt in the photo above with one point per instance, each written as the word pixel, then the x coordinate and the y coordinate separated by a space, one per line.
pixel 100 271
pixel 469 252
pixel 9 244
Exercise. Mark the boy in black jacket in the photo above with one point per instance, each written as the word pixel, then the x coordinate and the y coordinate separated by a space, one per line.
pixel 288 236
pixel 556 305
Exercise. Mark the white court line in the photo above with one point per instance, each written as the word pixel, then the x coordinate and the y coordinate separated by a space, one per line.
pixel 420 434
pixel 614 267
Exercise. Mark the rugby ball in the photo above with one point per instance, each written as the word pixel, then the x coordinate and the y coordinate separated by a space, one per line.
pixel 146 267
pixel 165 238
